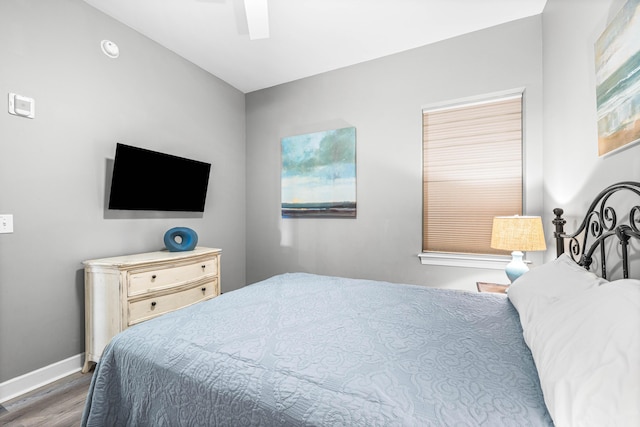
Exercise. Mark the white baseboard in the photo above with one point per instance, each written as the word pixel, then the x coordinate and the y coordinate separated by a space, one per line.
pixel 40 377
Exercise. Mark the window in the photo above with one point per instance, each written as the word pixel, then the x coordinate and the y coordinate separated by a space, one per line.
pixel 472 171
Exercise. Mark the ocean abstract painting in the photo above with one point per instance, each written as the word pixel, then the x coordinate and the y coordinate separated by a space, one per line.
pixel 617 55
pixel 319 174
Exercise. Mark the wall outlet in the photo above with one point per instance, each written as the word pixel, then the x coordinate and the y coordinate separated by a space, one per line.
pixel 6 223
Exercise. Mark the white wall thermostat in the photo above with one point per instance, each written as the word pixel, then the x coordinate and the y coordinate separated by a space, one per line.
pixel 22 106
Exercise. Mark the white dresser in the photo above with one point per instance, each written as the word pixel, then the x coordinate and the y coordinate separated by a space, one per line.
pixel 125 290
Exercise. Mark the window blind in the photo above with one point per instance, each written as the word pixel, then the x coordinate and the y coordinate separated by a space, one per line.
pixel 472 171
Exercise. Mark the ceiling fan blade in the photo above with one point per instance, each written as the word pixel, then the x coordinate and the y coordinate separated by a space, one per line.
pixel 257 18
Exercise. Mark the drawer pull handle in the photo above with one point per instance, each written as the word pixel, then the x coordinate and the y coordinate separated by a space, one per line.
pixel 153 304
pixel 204 289
pixel 204 266
pixel 153 277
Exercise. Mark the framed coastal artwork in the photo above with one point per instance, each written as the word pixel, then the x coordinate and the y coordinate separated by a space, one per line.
pixel 617 56
pixel 319 174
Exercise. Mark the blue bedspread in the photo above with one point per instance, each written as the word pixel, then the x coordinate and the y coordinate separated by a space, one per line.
pixel 307 350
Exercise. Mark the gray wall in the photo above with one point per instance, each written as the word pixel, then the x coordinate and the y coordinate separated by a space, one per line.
pixel 52 168
pixel 383 99
pixel 573 172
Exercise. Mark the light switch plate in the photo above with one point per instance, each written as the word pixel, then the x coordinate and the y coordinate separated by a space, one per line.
pixel 6 223
pixel 22 106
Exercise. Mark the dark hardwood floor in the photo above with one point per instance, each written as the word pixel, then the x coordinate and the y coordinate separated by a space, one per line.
pixel 58 404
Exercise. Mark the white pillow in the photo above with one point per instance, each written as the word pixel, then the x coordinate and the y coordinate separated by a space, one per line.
pixel 587 352
pixel 533 292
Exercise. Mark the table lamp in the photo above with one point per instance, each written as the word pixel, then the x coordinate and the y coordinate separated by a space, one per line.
pixel 517 234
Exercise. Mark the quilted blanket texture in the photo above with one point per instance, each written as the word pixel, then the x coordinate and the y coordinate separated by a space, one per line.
pixel 306 350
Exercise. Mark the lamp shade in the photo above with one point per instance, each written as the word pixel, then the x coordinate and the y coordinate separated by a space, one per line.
pixel 518 233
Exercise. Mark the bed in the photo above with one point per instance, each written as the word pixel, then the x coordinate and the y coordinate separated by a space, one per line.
pixel 301 349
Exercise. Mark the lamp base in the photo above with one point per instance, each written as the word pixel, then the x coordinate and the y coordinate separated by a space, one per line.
pixel 516 267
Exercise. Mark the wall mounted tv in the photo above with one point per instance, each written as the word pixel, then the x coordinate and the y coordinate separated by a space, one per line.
pixel 151 181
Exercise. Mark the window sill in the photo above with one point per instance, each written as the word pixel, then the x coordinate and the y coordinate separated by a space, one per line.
pixel 492 262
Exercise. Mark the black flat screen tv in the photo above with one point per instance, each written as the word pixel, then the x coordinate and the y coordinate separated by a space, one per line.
pixel 151 181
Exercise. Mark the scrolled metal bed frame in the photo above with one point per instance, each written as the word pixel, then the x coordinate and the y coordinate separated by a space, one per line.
pixel 601 223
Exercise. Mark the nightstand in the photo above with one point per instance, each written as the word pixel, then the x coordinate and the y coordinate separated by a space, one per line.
pixel 492 287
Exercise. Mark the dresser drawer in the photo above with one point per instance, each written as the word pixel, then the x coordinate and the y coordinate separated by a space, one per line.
pixel 147 308
pixel 142 282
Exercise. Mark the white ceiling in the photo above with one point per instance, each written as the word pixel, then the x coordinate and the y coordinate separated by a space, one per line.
pixel 307 37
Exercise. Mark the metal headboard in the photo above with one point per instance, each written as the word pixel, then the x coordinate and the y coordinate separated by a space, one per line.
pixel 601 223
